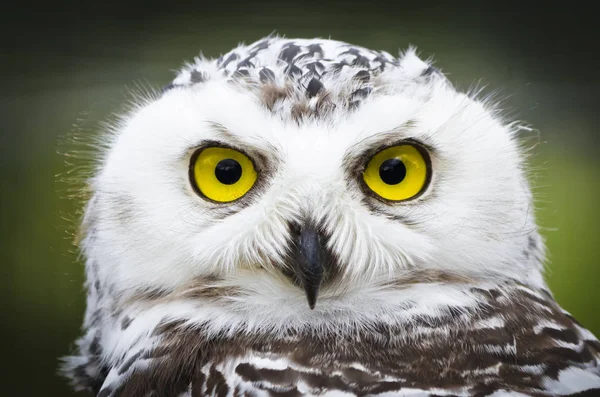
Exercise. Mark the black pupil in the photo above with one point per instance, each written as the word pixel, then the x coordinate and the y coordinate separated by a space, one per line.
pixel 392 171
pixel 228 171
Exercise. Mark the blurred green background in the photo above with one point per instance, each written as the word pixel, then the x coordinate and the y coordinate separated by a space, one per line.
pixel 73 63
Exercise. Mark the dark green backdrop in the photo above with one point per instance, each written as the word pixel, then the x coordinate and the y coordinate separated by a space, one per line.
pixel 72 63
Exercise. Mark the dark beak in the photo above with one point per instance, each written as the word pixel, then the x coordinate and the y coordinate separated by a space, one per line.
pixel 310 256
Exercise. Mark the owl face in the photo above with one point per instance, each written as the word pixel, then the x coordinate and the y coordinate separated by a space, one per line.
pixel 258 184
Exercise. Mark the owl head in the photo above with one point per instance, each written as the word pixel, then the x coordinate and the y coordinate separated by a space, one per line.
pixel 305 171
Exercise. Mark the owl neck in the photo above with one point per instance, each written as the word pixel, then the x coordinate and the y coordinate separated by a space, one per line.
pixel 264 306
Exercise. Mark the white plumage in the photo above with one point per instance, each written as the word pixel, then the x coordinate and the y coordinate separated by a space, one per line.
pixel 439 294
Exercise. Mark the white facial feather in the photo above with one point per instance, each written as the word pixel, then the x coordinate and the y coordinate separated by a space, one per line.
pixel 147 230
pixel 152 231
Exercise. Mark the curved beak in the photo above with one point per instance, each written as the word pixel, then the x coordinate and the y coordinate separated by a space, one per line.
pixel 310 257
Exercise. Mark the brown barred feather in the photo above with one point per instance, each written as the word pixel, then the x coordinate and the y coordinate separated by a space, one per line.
pixel 457 353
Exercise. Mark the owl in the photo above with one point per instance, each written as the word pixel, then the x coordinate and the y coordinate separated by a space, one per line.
pixel 307 217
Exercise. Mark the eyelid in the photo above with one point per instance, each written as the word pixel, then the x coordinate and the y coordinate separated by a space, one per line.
pixel 357 163
pixel 405 141
pixel 261 162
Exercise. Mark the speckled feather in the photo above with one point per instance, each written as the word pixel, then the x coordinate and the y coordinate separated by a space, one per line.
pixel 517 340
pixel 301 78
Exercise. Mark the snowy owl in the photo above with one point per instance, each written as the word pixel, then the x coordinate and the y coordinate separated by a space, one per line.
pixel 306 217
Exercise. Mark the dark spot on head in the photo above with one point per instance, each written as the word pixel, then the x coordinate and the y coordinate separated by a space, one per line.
pixel 363 76
pixel 314 49
pixel 314 87
pixel 261 45
pixel 126 322
pixel 361 93
pixel 429 71
pixel 359 58
pixel 266 75
pixel 245 63
pixel 382 62
pixel 240 73
pixel 197 77
pixel 229 59
pixel 361 61
pixel 337 67
pixel 315 68
pixel 289 52
pixel 351 51
pixel 95 348
pixel 293 70
pixel 531 243
pixel 353 105
pixel 96 317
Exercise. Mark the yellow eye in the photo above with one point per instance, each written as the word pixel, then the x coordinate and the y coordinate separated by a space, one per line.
pixel 398 173
pixel 222 174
